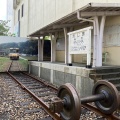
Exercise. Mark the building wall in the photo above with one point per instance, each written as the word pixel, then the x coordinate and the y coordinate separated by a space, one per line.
pixel 44 12
pixel 111 42
pixel 39 13
pixel 10 15
pixel 24 24
pixel 60 56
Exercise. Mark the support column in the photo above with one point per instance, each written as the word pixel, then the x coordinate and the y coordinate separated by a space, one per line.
pixel 53 47
pixel 98 39
pixel 95 39
pixel 40 49
pixel 39 45
pixel 66 45
pixel 100 42
pixel 42 46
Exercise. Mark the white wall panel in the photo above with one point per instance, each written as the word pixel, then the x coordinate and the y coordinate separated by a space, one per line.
pixel 36 11
pixel 44 12
pixel 49 11
pixel 63 7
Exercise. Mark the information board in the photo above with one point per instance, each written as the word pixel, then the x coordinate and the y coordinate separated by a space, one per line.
pixel 80 43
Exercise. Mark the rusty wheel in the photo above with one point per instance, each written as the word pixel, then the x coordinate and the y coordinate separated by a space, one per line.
pixel 111 102
pixel 72 105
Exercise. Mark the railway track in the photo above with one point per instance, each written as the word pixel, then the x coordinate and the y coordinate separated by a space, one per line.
pixel 24 105
pixel 41 94
pixel 14 66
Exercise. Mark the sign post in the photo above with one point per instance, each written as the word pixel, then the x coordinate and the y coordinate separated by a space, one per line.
pixel 80 43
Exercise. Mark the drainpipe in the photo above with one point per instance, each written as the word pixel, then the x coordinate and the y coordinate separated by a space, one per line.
pixel 95 36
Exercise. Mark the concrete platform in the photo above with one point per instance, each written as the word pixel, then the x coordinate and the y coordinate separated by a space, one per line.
pixel 60 73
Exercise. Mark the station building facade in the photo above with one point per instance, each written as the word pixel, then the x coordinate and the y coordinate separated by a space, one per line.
pixel 33 15
pixel 56 18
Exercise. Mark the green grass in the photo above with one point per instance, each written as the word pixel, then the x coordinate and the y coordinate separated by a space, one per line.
pixel 23 62
pixel 30 57
pixel 3 62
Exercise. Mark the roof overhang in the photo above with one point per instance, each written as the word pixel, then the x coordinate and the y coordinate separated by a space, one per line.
pixel 71 20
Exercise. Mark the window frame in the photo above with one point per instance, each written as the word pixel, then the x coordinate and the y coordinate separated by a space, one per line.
pixel 22 12
pixel 19 15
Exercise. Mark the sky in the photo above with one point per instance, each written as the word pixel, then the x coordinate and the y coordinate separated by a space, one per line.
pixel 3 4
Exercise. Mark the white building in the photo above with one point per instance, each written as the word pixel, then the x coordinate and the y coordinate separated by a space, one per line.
pixel 46 16
pixel 10 16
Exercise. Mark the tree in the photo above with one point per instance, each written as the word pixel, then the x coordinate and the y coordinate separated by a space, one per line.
pixel 4 28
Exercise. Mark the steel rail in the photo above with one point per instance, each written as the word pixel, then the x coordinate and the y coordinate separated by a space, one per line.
pixel 94 109
pixel 46 108
pixel 10 66
pixel 48 85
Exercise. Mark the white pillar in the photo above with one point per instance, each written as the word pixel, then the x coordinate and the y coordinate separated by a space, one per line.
pixel 53 47
pixel 95 42
pixel 40 49
pixel 66 45
pixel 102 24
pixel 98 39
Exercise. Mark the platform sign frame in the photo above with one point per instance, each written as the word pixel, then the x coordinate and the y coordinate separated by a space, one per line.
pixel 80 43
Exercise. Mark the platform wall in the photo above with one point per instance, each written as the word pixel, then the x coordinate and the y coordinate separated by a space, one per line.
pixel 61 74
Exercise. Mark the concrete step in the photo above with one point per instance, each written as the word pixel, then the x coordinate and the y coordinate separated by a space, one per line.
pixel 114 80
pixel 106 70
pixel 100 76
pixel 118 87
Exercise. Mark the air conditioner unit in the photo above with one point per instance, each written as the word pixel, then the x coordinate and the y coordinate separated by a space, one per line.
pixel 17 1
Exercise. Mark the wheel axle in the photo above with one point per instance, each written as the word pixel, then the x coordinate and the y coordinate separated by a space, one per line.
pixel 105 95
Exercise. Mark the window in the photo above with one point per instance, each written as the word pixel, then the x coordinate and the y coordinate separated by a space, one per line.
pixel 22 10
pixel 19 15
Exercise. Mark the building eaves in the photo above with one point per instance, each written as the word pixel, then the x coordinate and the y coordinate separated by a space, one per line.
pixel 88 11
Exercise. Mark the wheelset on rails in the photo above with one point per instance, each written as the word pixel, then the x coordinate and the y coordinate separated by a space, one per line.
pixel 68 103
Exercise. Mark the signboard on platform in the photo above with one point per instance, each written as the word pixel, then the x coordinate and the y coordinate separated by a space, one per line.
pixel 80 42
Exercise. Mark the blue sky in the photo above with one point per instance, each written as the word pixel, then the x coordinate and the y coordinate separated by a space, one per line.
pixel 3 8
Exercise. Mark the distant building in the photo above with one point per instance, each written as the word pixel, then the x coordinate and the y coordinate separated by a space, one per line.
pixel 2 53
pixel 10 15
